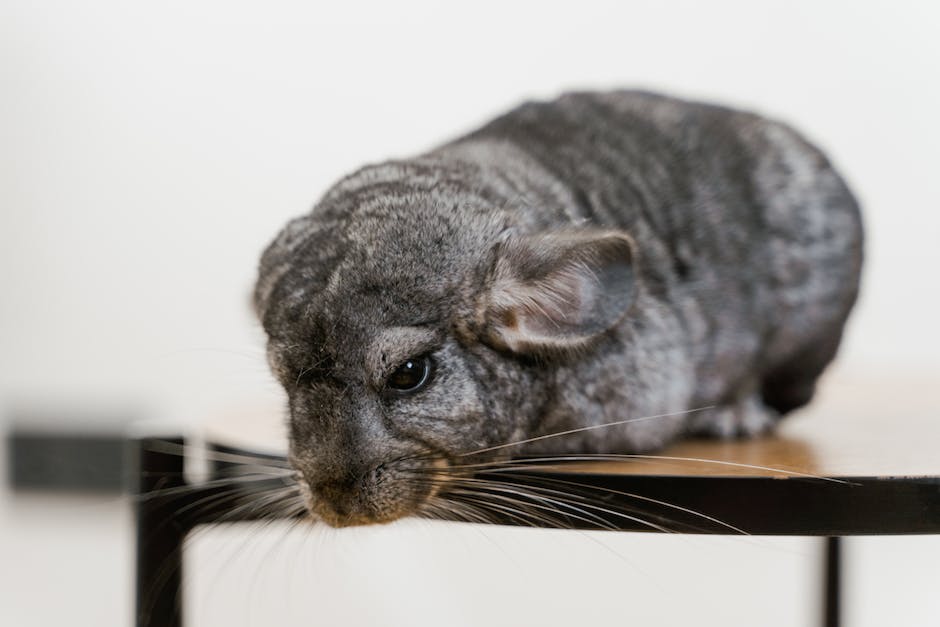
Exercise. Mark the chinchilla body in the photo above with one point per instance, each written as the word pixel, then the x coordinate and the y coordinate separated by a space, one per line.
pixel 602 258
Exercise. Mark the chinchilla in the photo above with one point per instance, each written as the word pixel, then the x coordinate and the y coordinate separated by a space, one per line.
pixel 621 259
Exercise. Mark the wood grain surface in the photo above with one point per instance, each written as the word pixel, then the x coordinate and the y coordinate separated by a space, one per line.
pixel 856 427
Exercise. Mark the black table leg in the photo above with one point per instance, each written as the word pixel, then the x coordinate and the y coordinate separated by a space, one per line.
pixel 160 534
pixel 167 509
pixel 833 582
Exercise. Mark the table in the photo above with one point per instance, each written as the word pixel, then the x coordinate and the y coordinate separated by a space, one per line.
pixel 863 459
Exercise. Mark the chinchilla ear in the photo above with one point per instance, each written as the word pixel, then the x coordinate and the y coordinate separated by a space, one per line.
pixel 557 290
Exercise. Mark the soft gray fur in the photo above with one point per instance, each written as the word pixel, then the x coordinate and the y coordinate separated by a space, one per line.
pixel 596 258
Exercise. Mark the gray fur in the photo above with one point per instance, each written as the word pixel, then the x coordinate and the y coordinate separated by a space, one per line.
pixel 600 257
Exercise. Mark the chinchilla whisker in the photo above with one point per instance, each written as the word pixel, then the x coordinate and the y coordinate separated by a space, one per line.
pixel 538 486
pixel 449 508
pixel 584 499
pixel 160 580
pixel 575 501
pixel 237 494
pixel 294 503
pixel 175 448
pixel 441 513
pixel 240 479
pixel 632 495
pixel 271 506
pixel 166 570
pixel 792 473
pixel 623 509
pixel 514 511
pixel 557 507
pixel 476 512
pixel 524 518
pixel 518 492
pixel 424 455
pixel 583 429
pixel 268 508
pixel 234 494
pixel 429 510
pixel 550 523
pixel 537 462
pixel 243 470
pixel 259 524
pixel 462 512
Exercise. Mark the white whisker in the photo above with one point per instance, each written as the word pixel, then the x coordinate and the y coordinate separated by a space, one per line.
pixel 583 429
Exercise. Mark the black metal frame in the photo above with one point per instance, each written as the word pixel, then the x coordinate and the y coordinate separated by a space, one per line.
pixel 757 505
pixel 832 585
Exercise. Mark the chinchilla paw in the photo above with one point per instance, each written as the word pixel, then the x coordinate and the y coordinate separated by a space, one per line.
pixel 747 417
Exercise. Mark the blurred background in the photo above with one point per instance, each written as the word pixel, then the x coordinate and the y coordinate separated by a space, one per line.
pixel 149 151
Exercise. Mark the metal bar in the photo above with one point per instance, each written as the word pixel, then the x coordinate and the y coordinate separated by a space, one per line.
pixel 832 605
pixel 160 535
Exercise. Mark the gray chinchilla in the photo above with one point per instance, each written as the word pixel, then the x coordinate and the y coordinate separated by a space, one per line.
pixel 595 259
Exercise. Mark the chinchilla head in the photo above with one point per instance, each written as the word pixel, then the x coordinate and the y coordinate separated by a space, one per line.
pixel 415 328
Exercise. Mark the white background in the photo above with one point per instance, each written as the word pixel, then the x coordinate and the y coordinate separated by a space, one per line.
pixel 148 152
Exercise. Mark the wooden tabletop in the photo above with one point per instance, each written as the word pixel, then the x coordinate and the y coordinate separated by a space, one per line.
pixel 855 427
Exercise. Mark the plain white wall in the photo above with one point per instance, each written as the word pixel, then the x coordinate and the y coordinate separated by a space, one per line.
pixel 150 150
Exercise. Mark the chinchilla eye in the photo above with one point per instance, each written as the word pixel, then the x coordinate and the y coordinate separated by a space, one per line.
pixel 412 375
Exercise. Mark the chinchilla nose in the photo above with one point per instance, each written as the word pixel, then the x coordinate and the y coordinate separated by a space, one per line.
pixel 340 496
pixel 343 500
